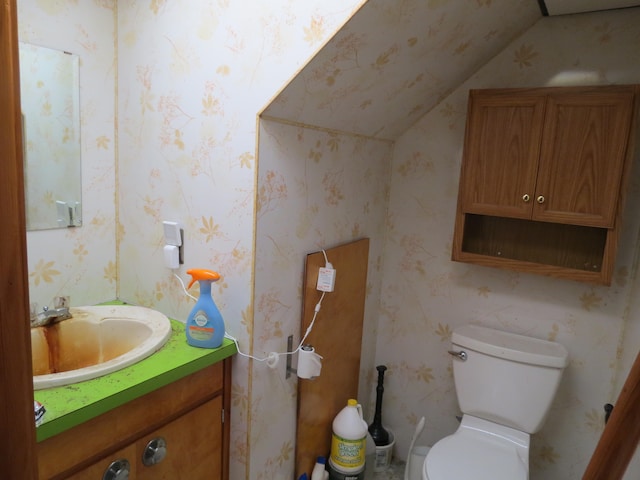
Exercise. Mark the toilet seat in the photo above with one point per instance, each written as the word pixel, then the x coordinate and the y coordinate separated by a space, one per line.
pixel 480 450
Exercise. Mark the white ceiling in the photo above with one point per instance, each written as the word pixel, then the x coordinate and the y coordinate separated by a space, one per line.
pixel 563 7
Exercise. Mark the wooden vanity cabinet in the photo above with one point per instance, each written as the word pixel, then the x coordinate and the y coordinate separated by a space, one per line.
pixel 543 179
pixel 187 415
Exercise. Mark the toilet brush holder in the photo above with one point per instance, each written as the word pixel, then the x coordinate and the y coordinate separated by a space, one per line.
pixel 384 454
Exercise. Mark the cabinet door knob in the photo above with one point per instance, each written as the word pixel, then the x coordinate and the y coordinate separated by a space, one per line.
pixel 540 199
pixel 526 198
pixel 118 470
pixel 154 452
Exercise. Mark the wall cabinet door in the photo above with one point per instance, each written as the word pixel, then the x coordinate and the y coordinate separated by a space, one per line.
pixel 584 147
pixel 502 146
pixel 546 156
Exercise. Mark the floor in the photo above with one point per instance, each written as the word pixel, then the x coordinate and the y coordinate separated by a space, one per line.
pixel 395 472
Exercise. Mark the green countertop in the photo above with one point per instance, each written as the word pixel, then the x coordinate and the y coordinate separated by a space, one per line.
pixel 71 405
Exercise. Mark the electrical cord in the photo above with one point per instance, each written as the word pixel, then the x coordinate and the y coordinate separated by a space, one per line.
pixel 185 288
pixel 272 358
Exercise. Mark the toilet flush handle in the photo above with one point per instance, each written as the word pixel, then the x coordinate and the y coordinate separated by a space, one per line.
pixel 462 355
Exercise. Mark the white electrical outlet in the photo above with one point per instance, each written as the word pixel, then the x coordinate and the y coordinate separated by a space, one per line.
pixel 172 256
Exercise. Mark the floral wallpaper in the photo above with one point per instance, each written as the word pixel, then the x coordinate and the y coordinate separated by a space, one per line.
pixel 79 262
pixel 425 296
pixel 317 189
pixel 170 92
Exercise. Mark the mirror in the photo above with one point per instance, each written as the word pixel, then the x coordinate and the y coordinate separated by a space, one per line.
pixel 50 101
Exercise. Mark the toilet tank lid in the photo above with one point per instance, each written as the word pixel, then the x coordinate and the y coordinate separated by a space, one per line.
pixel 511 346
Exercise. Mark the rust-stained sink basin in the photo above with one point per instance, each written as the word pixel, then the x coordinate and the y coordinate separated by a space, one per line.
pixel 95 341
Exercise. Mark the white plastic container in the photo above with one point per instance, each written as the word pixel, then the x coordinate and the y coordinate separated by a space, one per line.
pixel 384 454
pixel 319 472
pixel 348 441
pixel 370 456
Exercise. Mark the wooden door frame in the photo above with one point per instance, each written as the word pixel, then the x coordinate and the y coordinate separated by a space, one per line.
pixel 18 450
pixel 620 438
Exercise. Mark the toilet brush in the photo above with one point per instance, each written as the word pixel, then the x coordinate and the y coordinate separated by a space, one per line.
pixel 416 434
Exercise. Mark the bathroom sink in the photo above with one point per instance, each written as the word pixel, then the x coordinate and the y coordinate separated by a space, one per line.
pixel 97 340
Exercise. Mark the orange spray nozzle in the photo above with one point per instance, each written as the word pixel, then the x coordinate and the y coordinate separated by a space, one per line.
pixel 202 274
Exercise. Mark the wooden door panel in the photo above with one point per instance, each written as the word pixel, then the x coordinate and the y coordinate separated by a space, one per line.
pixel 501 154
pixel 582 158
pixel 98 469
pixel 337 336
pixel 194 446
pixel 17 455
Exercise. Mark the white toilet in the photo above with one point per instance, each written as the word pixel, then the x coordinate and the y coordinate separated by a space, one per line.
pixel 505 385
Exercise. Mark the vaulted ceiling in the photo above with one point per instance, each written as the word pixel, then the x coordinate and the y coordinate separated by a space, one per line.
pixel 394 60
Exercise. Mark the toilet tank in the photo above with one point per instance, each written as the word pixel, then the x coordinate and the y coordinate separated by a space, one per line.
pixel 506 378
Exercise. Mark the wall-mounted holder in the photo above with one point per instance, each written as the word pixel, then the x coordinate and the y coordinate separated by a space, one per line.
pixel 290 369
pixel 309 362
pixel 69 214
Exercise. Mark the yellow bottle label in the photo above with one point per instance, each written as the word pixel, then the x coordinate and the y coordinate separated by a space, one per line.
pixel 348 454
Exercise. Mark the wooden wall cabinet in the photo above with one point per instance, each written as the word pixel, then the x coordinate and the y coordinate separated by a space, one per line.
pixel 188 415
pixel 543 179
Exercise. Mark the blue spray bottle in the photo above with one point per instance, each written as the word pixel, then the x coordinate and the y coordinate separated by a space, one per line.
pixel 205 326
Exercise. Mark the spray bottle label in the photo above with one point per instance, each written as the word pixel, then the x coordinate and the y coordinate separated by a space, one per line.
pixel 200 318
pixel 199 331
pixel 348 454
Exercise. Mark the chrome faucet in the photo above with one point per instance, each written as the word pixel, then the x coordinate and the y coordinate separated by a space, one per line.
pixel 49 316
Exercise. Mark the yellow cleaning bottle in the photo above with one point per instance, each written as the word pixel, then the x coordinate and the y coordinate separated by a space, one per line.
pixel 205 326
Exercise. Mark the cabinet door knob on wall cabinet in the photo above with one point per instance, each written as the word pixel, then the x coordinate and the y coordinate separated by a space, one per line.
pixel 526 198
pixel 154 452
pixel 540 199
pixel 118 470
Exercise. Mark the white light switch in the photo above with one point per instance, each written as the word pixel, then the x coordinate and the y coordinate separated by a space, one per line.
pixel 172 233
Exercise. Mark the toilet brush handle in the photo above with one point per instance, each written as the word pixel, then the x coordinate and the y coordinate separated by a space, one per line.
pixel 378 433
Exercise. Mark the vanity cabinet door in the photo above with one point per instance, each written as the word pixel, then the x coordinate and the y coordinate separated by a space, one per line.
pixel 193 446
pixel 120 466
